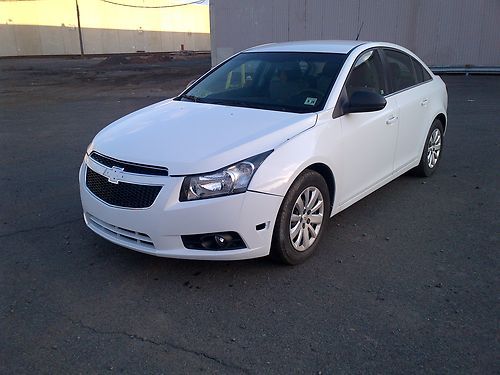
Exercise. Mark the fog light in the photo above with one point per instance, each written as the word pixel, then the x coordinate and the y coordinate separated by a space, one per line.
pixel 213 241
pixel 220 240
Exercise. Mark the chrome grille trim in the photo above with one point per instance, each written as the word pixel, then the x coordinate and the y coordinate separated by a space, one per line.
pixel 127 166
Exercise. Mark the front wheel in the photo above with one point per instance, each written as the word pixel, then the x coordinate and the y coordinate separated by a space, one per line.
pixel 302 219
pixel 431 155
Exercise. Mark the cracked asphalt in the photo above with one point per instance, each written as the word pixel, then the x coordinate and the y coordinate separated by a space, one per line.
pixel 406 280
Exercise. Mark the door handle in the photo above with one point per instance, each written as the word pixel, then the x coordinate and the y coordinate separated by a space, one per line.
pixel 424 102
pixel 391 120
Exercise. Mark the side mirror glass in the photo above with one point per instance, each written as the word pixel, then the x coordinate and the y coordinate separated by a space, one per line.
pixel 364 101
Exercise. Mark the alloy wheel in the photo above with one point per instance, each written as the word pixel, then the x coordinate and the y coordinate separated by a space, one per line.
pixel 306 218
pixel 434 148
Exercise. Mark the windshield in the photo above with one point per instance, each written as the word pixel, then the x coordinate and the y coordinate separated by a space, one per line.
pixel 282 81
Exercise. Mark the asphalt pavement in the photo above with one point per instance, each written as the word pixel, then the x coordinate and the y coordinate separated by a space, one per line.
pixel 405 281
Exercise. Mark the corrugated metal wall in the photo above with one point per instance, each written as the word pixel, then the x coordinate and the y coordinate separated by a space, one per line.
pixel 441 32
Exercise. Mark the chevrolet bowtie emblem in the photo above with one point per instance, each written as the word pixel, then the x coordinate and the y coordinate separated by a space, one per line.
pixel 114 174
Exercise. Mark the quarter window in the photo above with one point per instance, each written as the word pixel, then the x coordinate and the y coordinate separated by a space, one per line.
pixel 401 72
pixel 422 74
pixel 367 74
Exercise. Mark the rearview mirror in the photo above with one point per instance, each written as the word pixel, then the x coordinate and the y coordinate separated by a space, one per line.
pixel 364 101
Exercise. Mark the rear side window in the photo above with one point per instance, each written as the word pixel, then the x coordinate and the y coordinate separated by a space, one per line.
pixel 422 74
pixel 400 69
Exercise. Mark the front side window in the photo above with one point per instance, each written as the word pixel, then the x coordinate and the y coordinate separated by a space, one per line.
pixel 400 69
pixel 366 74
pixel 283 81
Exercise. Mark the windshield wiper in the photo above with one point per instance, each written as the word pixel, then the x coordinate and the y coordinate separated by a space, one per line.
pixel 250 104
pixel 241 103
pixel 236 103
pixel 191 98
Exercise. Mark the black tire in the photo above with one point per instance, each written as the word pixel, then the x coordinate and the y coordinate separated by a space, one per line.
pixel 424 169
pixel 282 249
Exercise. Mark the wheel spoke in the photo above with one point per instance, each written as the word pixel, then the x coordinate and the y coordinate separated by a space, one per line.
pixel 306 199
pixel 295 231
pixel 300 204
pixel 313 200
pixel 305 235
pixel 312 233
pixel 316 219
pixel 299 239
pixel 317 206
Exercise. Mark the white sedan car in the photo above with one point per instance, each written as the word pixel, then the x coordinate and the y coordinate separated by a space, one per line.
pixel 255 156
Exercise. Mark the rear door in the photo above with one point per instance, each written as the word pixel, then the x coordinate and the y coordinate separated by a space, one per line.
pixel 408 85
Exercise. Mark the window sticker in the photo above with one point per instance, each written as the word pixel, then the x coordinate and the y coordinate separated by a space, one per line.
pixel 310 101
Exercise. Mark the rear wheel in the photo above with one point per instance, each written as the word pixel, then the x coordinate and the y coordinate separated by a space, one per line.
pixel 431 155
pixel 302 219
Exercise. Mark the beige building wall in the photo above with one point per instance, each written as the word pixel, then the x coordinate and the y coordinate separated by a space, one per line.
pixel 50 27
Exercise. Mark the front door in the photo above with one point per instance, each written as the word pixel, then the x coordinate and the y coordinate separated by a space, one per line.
pixel 368 139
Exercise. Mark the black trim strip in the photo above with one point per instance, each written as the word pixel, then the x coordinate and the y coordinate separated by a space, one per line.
pixel 337 111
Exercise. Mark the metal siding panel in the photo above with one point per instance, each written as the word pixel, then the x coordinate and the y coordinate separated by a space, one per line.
pixel 426 31
pixel 441 33
pixel 406 26
pixel 314 19
pixel 279 20
pixel 296 20
pixel 381 19
pixel 489 36
pixel 263 25
pixel 341 20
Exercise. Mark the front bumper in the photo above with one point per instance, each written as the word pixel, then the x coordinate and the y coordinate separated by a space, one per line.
pixel 157 229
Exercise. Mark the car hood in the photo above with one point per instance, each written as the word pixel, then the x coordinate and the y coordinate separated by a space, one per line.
pixel 190 138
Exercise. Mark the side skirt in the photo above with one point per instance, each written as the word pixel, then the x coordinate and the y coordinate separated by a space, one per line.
pixel 402 170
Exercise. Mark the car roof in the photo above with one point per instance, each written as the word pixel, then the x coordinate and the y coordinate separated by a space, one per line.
pixel 331 46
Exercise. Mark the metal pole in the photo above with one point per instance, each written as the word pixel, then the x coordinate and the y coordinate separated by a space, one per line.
pixel 79 28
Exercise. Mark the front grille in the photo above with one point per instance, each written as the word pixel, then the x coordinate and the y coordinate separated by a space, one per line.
pixel 122 194
pixel 128 166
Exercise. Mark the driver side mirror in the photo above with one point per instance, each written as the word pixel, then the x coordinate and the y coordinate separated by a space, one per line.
pixel 364 101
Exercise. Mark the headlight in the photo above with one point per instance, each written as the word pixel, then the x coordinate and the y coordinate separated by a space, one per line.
pixel 230 180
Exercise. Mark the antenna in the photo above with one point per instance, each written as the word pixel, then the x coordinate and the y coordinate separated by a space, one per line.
pixel 360 28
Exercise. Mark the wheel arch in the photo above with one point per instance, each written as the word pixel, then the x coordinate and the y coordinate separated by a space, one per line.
pixel 325 171
pixel 442 118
